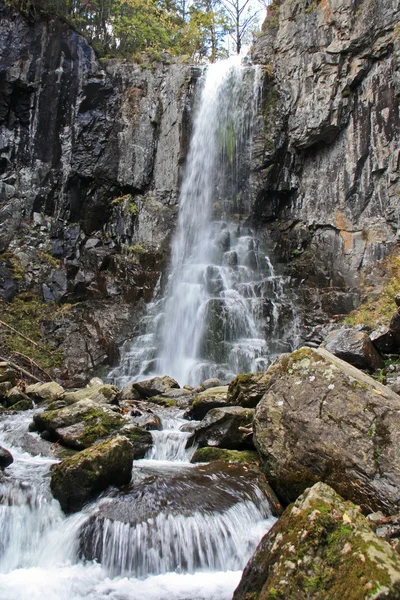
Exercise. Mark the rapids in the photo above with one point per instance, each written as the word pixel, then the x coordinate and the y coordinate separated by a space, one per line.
pixel 178 531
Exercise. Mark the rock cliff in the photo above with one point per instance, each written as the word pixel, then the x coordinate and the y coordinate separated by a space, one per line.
pixel 90 160
pixel 327 155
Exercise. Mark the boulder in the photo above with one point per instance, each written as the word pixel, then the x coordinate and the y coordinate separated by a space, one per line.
pixel 140 439
pixel 382 339
pixel 211 383
pixel 45 391
pixel 226 428
pixel 79 425
pixel 6 458
pixel 78 479
pixel 322 419
pixel 100 393
pixel 355 347
pixel 205 401
pixel 148 421
pixel 321 548
pixel 155 386
pixel 247 389
pixel 395 328
pixel 17 395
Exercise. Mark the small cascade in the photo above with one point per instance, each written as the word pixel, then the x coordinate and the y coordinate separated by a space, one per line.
pixel 224 310
pixel 170 443
pixel 178 530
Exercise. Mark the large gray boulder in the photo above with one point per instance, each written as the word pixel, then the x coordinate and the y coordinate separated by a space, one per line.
pixel 226 428
pixel 78 479
pixel 322 419
pixel 79 425
pixel 355 347
pixel 155 386
pixel 247 389
pixel 321 548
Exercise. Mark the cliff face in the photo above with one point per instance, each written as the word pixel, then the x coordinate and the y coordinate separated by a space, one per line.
pixel 91 154
pixel 90 159
pixel 327 160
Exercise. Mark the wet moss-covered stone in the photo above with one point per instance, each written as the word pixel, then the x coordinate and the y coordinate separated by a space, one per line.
pixel 321 419
pixel 140 438
pixel 205 401
pixel 229 456
pixel 22 405
pixel 322 548
pixel 226 428
pixel 78 479
pixel 80 425
pixel 247 389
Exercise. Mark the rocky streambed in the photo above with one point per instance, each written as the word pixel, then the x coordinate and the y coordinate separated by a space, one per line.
pixel 157 491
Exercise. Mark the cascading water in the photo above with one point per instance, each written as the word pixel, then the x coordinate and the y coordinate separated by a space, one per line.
pixel 177 531
pixel 221 311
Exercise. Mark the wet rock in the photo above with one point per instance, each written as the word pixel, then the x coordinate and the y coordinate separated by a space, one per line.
pixel 395 387
pixel 354 347
pixel 80 425
pixel 129 395
pixel 226 428
pixel 100 393
pixel 140 438
pixel 155 386
pixel 214 397
pixel 21 405
pixel 321 547
pixel 211 383
pixel 157 497
pixel 78 479
pixel 247 389
pixel 6 458
pixel 148 421
pixel 322 419
pixel 45 391
pixel 395 328
pixel 382 339
pixel 16 394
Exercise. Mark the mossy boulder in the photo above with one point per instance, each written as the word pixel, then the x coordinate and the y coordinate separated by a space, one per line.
pixel 7 373
pixel 101 393
pixel 78 479
pixel 226 428
pixel 205 401
pixel 321 548
pixel 80 425
pixel 45 391
pixel 223 455
pixel 247 389
pixel 322 419
pixel 140 439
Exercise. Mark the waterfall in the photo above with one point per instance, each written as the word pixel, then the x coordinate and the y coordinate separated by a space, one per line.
pixel 224 309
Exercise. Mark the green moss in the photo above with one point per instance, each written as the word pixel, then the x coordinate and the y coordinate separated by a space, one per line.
pixel 99 425
pixel 379 310
pixel 162 401
pixel 230 456
pixel 25 314
pixel 48 258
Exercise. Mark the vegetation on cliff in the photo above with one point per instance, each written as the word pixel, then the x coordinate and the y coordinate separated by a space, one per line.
pixel 128 27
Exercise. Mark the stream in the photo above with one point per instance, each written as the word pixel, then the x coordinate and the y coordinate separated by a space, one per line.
pixel 178 531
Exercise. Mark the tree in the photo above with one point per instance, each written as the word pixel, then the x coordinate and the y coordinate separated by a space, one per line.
pixel 242 15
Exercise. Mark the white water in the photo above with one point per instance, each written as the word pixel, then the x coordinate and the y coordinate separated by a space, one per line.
pixel 180 532
pixel 221 313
